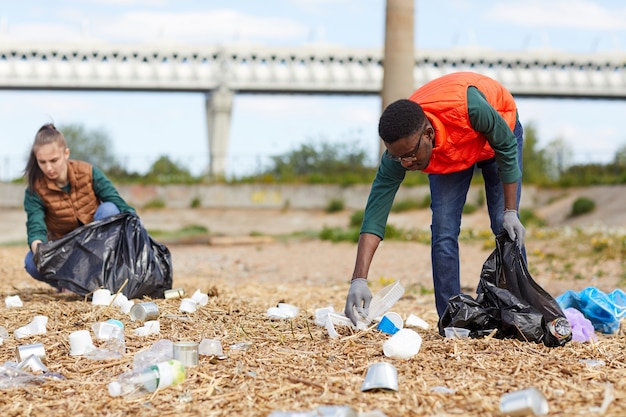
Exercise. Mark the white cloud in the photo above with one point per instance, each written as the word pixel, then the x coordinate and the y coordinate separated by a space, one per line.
pixel 198 27
pixel 576 14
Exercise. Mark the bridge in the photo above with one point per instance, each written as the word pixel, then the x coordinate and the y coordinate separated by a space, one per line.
pixel 220 72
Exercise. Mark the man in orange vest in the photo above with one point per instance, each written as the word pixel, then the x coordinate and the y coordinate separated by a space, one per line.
pixel 447 128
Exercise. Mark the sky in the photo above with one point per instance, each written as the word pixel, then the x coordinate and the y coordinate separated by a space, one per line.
pixel 144 126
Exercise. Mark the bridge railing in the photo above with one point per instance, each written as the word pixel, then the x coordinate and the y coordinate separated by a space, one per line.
pixel 326 70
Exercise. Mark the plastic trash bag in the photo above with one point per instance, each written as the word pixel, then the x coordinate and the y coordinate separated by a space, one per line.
pixel 603 310
pixel 104 254
pixel 508 301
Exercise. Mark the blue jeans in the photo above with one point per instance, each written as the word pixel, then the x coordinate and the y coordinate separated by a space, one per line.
pixel 104 210
pixel 448 194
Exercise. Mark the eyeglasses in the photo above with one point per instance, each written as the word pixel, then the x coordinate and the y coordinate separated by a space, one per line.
pixel 411 157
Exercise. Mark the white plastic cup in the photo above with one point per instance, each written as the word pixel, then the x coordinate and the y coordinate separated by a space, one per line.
pixel 403 345
pixel 13 301
pixel 101 297
pixel 80 342
pixel 188 305
pixel 456 333
pixel 529 401
pixel 200 298
pixel 210 347
pixel 38 325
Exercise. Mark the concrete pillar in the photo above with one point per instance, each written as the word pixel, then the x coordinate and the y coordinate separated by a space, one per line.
pixel 219 105
pixel 399 55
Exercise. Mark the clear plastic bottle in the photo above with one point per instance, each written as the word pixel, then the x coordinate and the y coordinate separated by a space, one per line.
pixel 150 379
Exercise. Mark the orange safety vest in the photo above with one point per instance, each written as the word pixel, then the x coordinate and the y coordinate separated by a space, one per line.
pixel 444 100
pixel 67 211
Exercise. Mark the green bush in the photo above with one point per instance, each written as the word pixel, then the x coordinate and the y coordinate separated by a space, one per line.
pixel 528 217
pixel 335 206
pixel 157 203
pixel 405 205
pixel 583 205
pixel 469 208
pixel 356 220
pixel 196 202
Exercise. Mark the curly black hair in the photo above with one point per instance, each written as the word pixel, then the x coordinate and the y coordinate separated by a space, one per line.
pixel 400 119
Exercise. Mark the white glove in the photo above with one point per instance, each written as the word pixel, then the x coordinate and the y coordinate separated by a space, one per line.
pixel 514 227
pixel 359 296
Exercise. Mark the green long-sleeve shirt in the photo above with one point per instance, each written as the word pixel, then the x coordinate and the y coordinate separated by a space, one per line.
pixel 484 119
pixel 36 228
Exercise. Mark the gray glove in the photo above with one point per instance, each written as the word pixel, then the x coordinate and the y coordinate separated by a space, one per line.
pixel 514 227
pixel 359 296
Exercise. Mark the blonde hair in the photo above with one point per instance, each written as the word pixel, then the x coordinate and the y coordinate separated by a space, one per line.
pixel 46 135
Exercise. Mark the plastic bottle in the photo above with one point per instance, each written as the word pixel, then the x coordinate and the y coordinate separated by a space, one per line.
pixel 150 379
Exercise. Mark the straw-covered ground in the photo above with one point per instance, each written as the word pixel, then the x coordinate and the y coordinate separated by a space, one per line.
pixel 294 365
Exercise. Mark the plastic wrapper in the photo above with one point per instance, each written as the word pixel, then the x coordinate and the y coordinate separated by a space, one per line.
pixel 104 254
pixel 604 311
pixel 508 301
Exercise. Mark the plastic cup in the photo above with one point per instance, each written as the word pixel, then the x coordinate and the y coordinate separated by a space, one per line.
pixel 381 376
pixel 385 325
pixel 403 345
pixel 24 351
pixel 210 347
pixel 384 299
pixel 529 401
pixel 101 297
pixel 186 353
pixel 200 298
pixel 456 333
pixel 188 305
pixel 80 342
pixel 32 363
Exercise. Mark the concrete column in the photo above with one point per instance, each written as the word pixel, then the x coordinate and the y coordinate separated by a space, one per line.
pixel 399 55
pixel 219 105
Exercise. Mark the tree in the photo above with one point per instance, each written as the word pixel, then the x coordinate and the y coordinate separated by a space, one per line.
pixel 533 159
pixel 93 146
pixel 164 170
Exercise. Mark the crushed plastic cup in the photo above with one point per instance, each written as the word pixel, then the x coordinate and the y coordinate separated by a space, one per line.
pixel 123 303
pixel 13 301
pixel 160 351
pixel 321 315
pixel 385 325
pixel 201 298
pixel 414 321
pixel 101 297
pixel 210 347
pixel 283 311
pixel 36 326
pixel 80 342
pixel 381 376
pixel 188 305
pixel 404 344
pixel 148 328
pixel 529 401
pixel 384 299
pixel 107 330
pixel 456 333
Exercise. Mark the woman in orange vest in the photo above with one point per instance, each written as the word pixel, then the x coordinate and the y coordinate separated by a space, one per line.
pixel 447 128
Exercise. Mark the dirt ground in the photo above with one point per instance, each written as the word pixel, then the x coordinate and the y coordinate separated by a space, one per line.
pixel 293 364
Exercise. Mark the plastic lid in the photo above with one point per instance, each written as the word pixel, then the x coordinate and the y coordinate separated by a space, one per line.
pixel 115 389
pixel 384 299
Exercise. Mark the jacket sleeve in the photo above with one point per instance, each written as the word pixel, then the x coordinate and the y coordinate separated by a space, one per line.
pixel 486 120
pixel 388 178
pixel 106 191
pixel 36 228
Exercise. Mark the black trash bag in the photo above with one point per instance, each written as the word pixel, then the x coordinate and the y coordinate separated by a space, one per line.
pixel 104 254
pixel 509 301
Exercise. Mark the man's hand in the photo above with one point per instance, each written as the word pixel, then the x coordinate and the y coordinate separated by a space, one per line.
pixel 359 296
pixel 514 227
